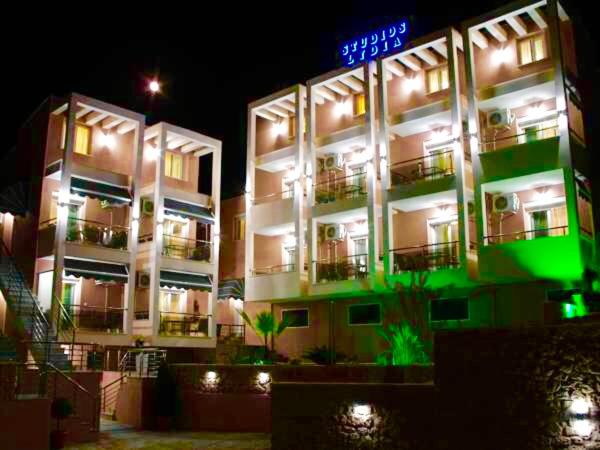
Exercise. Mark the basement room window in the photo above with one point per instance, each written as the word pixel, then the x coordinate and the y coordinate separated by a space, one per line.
pixel 532 49
pixel 83 139
pixel 298 318
pixel 239 227
pixel 174 165
pixel 437 79
pixel 364 314
pixel 450 309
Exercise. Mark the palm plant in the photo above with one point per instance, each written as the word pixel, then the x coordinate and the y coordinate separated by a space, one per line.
pixel 265 325
pixel 405 346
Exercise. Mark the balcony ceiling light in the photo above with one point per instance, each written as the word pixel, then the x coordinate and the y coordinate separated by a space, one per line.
pixel 154 86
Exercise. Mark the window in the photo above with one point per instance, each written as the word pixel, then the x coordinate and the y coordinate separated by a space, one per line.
pixel 83 136
pixel 532 49
pixel 531 130
pixel 239 228
pixel 174 165
pixel 437 79
pixel 364 314
pixel 289 257
pixel 449 309
pixel 547 220
pixel 172 301
pixel 292 127
pixel 68 294
pixel 360 252
pixel 360 104
pixel 298 318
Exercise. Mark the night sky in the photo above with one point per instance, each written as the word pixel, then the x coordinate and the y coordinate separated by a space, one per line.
pixel 211 64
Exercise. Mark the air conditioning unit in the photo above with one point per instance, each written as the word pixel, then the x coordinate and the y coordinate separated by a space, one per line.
pixel 143 280
pixel 505 203
pixel 147 207
pixel 334 232
pixel 500 118
pixel 334 162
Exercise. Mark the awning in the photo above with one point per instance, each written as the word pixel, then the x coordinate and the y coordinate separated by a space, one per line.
pixel 231 288
pixel 97 270
pixel 102 191
pixel 185 280
pixel 189 211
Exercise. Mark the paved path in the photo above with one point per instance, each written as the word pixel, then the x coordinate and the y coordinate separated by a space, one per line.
pixel 118 437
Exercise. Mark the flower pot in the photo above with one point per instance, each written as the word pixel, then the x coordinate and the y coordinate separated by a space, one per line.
pixel 58 439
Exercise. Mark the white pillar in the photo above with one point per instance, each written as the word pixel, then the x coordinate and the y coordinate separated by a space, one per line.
pixel 311 177
pixel 215 240
pixel 249 195
pixel 299 182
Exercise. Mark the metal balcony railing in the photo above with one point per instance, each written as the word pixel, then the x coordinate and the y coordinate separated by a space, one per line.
pixel 269 270
pixel 183 324
pixel 429 167
pixel 525 235
pixel 491 145
pixel 141 315
pixel 230 331
pixel 97 318
pixel 425 257
pixel 183 248
pixel 289 193
pixel 342 188
pixel 90 232
pixel 353 267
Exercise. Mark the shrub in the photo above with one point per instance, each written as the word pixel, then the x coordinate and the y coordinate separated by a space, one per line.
pixel 405 346
pixel 322 355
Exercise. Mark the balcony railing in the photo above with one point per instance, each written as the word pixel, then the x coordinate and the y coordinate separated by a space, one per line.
pixel 269 270
pixel 525 235
pixel 90 232
pixel 183 248
pixel 97 318
pixel 425 257
pixel 350 187
pixel 141 315
pixel 353 267
pixel 429 167
pixel 230 331
pixel 516 139
pixel 184 324
pixel 145 238
pixel 289 193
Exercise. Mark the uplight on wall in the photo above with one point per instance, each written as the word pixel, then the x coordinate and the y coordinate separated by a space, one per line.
pixel 211 376
pixel 107 140
pixel 263 378
pixel 151 152
pixel 342 108
pixel 580 406
pixel 361 412
pixel 412 84
pixel 536 111
pixel 580 410
pixel 279 128
pixel 502 55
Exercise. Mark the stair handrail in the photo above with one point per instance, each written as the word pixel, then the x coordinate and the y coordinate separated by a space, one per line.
pixel 103 389
pixel 63 314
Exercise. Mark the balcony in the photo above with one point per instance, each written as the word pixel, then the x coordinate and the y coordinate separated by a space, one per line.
pixel 97 318
pixel 227 331
pixel 342 188
pixel 184 248
pixel 184 324
pixel 283 195
pixel 353 267
pixel 425 257
pixel 425 168
pixel 89 232
pixel 526 235
pixel 506 142
pixel 269 270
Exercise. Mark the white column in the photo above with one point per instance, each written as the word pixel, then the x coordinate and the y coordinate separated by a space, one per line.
pixel 372 160
pixel 215 240
pixel 134 226
pixel 157 241
pixel 299 182
pixel 311 177
pixel 249 195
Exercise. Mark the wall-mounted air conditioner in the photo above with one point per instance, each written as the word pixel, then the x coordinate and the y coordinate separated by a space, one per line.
pixel 334 162
pixel 143 280
pixel 147 207
pixel 505 203
pixel 334 232
pixel 500 118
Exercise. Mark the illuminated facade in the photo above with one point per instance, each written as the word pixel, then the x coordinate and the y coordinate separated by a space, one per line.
pixel 461 156
pixel 124 244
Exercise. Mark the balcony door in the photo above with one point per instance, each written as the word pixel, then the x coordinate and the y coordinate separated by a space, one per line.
pixel 360 251
pixel 443 233
pixel 438 159
pixel 534 129
pixel 172 302
pixel 173 239
pixel 547 220
pixel 289 258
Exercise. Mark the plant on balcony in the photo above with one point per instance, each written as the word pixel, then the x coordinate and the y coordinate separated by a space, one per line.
pixel 165 395
pixel 138 340
pixel 91 234
pixel 60 409
pixel 201 253
pixel 72 233
pixel 405 346
pixel 118 240
pixel 266 326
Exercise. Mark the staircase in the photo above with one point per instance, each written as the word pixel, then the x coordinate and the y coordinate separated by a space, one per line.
pixel 31 320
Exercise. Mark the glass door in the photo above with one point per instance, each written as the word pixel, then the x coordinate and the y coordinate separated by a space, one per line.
pixel 360 254
pixel 444 236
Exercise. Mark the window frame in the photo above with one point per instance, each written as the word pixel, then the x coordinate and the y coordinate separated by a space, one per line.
pixel 297 309
pixel 237 219
pixel 355 104
pixel 440 68
pixel 531 38
pixel 80 125
pixel 173 155
pixel 466 299
pixel 363 324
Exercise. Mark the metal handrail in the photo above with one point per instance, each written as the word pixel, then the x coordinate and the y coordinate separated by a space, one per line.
pixel 268 270
pixel 262 198
pixel 182 321
pixel 95 222
pixel 178 246
pixel 486 239
pixel 104 390
pixel 427 256
pixel 343 268
pixel 407 161
pixel 337 179
pixel 79 312
pixel 46 223
pixel 423 167
pixel 483 143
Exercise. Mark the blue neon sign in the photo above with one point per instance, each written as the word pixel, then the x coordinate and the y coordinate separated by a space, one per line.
pixel 374 44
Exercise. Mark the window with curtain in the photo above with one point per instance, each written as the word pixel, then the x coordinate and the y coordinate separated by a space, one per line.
pixel 548 221
pixel 174 165
pixel 239 227
pixel 437 79
pixel 292 127
pixel 360 105
pixel 83 139
pixel 532 49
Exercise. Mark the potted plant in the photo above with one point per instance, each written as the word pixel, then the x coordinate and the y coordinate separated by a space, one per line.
pixel 138 340
pixel 165 390
pixel 91 234
pixel 61 409
pixel 118 240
